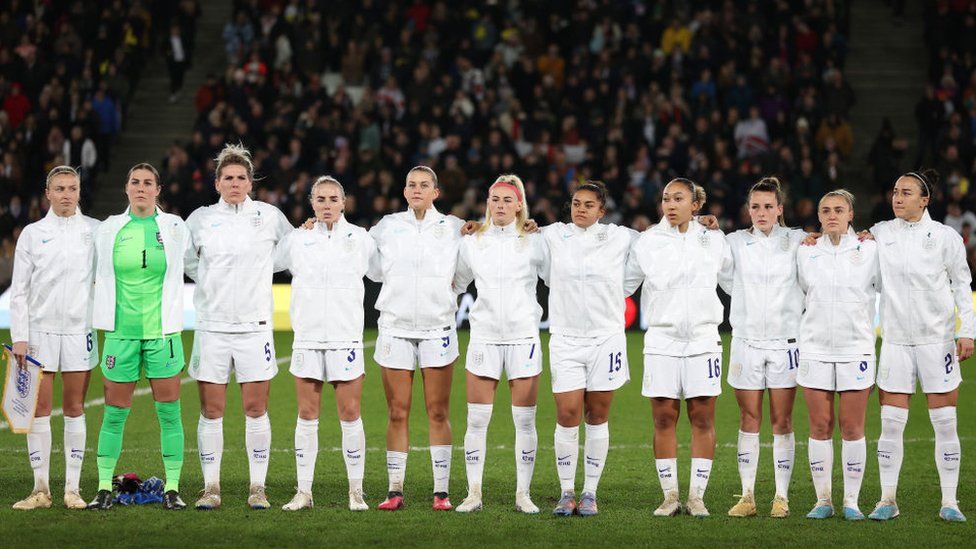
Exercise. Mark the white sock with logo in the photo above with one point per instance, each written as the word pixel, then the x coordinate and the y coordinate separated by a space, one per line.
pixel 75 433
pixel 354 451
pixel 701 469
pixel 821 457
pixel 440 461
pixel 475 443
pixel 396 469
pixel 566 445
pixel 784 449
pixel 210 440
pixel 948 453
pixel 747 452
pixel 854 454
pixel 257 439
pixel 306 452
pixel 891 449
pixel 667 475
pixel 595 450
pixel 526 444
pixel 39 452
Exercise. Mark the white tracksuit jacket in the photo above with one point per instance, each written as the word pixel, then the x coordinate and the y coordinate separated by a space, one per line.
pixel 766 297
pixel 177 242
pixel 840 284
pixel 586 278
pixel 505 267
pixel 679 300
pixel 925 282
pixel 327 269
pixel 54 269
pixel 416 264
pixel 232 263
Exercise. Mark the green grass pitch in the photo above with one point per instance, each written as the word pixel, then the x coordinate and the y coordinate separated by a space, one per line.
pixel 628 493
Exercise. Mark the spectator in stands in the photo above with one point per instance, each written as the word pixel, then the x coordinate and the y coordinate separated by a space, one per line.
pixel 177 60
pixel 481 89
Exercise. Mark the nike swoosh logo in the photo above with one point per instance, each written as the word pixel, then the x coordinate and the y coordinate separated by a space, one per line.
pixel 749 243
pixel 168 455
pixel 744 454
pixel 207 455
pixel 856 463
pixel 439 461
pixel 125 238
pixel 816 462
pixel 950 455
pixel 783 461
pixel 46 240
pixel 34 452
pixel 527 452
pixel 665 470
pixel 77 450
pixel 471 452
pixel 702 471
pixel 888 243
pixel 564 457
pixel 214 225
pixel 351 452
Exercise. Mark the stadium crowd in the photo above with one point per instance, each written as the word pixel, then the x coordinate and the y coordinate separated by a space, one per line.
pixel 628 93
pixel 946 113
pixel 67 70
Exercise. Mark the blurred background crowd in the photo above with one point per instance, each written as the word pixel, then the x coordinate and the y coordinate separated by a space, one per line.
pixel 631 93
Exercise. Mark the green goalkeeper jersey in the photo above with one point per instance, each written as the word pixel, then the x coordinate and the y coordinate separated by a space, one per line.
pixel 140 266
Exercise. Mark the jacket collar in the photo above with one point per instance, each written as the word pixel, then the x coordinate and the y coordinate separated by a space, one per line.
pixel 905 225
pixel 847 241
pixel 337 227
pixel 507 230
pixel 665 227
pixel 52 217
pixel 246 206
pixel 759 235
pixel 592 229
pixel 432 216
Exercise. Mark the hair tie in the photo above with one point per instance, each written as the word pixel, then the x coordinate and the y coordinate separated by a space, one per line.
pixel 507 185
pixel 921 179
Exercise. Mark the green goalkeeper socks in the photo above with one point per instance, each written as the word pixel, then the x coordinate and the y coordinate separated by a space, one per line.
pixel 110 444
pixel 171 441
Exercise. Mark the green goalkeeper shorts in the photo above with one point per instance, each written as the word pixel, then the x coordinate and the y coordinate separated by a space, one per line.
pixel 124 360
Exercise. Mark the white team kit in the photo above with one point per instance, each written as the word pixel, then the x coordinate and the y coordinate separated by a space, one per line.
pixel 326 308
pixel 51 292
pixel 680 271
pixel 232 263
pixel 800 315
pixel 416 261
pixel 926 280
pixel 587 344
pixel 505 267
pixel 51 310
pixel 765 309
pixel 327 268
pixel 837 341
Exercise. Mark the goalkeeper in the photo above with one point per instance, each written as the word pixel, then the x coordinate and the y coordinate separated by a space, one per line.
pixel 138 303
